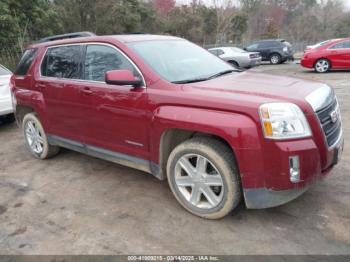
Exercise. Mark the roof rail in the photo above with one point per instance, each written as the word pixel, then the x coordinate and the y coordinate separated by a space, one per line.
pixel 66 36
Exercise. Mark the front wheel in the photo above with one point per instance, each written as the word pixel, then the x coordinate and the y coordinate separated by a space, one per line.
pixel 36 139
pixel 322 66
pixel 203 177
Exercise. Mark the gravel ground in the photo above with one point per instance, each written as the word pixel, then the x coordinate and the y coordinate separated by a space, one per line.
pixel 76 204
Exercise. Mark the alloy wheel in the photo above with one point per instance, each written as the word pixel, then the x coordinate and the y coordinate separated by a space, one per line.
pixel 275 59
pixel 34 137
pixel 199 181
pixel 322 66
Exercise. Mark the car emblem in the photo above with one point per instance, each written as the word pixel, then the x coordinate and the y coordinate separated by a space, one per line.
pixel 334 116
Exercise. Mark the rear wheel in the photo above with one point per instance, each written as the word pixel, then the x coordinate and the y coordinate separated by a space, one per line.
pixel 275 59
pixel 234 63
pixel 36 139
pixel 322 66
pixel 203 177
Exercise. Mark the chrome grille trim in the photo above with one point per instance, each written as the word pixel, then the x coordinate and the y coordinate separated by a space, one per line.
pixel 324 102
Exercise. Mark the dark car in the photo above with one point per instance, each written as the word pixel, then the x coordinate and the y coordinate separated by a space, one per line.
pixel 276 51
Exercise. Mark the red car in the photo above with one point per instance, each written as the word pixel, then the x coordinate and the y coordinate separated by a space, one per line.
pixel 334 54
pixel 170 108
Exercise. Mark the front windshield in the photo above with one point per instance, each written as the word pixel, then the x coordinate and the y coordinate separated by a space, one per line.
pixel 179 60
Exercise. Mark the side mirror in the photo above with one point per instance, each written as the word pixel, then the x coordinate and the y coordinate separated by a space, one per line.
pixel 122 78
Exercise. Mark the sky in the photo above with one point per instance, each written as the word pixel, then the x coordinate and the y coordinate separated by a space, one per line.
pixel 346 2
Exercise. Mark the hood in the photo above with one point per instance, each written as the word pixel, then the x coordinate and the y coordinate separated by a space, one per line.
pixel 254 88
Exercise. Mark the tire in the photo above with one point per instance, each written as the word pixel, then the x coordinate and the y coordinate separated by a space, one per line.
pixel 36 139
pixel 322 66
pixel 220 162
pixel 275 59
pixel 235 64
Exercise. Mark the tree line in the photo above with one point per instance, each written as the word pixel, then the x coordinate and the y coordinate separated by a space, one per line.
pixel 220 21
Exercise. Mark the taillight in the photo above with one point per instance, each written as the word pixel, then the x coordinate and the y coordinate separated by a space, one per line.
pixel 253 56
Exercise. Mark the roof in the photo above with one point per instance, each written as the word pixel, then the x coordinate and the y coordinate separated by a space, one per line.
pixel 121 38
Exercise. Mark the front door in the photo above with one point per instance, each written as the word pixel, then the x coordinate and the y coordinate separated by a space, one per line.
pixel 115 116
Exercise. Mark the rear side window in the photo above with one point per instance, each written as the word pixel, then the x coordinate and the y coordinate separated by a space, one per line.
pixel 100 59
pixel 25 62
pixel 252 47
pixel 341 45
pixel 62 62
pixel 4 71
pixel 220 52
pixel 214 52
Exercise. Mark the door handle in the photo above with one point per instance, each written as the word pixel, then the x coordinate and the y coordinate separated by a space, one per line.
pixel 86 91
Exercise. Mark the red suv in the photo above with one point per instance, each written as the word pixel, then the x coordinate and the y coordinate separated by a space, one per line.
pixel 333 54
pixel 170 108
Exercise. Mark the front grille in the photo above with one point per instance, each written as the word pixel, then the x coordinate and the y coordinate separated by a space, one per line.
pixel 331 126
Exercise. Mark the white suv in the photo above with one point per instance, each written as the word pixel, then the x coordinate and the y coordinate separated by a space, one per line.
pixel 6 108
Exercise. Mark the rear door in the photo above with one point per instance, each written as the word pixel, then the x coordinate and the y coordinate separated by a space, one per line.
pixel 61 70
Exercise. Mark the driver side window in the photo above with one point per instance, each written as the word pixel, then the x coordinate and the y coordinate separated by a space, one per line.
pixel 100 59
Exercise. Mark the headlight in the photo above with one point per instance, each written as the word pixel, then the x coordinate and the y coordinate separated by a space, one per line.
pixel 283 121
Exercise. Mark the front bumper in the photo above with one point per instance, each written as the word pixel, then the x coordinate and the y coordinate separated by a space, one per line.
pixel 262 197
pixel 6 106
pixel 258 198
pixel 254 62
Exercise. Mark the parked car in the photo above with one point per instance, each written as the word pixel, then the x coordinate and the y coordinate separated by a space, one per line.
pixel 276 51
pixel 6 108
pixel 334 54
pixel 167 107
pixel 237 57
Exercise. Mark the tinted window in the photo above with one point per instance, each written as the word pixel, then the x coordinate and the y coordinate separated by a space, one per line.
pixel 4 71
pixel 341 45
pixel 220 52
pixel 214 52
pixel 100 58
pixel 62 62
pixel 252 47
pixel 25 62
pixel 347 44
pixel 269 44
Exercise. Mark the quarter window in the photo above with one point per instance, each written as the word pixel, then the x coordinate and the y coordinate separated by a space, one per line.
pixel 62 62
pixel 100 59
pixel 25 62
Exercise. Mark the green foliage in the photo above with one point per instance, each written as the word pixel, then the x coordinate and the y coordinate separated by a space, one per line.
pixel 22 20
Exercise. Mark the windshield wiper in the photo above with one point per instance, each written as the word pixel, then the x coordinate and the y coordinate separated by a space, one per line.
pixel 223 73
pixel 194 80
pixel 187 81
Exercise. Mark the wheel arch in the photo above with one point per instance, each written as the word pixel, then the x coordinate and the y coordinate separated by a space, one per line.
pixel 172 137
pixel 323 58
pixel 174 124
